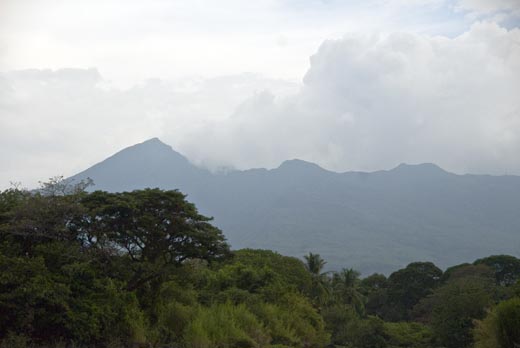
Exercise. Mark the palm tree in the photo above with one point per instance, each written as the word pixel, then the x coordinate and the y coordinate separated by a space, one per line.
pixel 314 264
pixel 320 280
pixel 345 285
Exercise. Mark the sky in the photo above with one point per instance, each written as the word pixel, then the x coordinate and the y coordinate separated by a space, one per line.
pixel 349 85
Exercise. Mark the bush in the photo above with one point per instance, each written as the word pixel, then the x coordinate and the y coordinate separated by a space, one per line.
pixel 501 327
pixel 225 325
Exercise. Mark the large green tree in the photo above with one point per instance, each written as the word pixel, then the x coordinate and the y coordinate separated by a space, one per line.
pixel 407 287
pixel 156 229
pixel 87 267
pixel 462 299
pixel 506 267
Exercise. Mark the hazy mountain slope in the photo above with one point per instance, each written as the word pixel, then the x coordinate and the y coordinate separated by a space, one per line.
pixel 376 221
pixel 149 164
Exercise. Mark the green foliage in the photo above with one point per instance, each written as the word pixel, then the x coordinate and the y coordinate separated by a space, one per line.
pixel 9 200
pixel 225 325
pixel 458 303
pixel 506 268
pixel 348 329
pixel 368 332
pixel 486 332
pixel 72 304
pixel 32 302
pixel 144 268
pixel 314 264
pixel 338 318
pixel 374 282
pixel 375 290
pixel 501 327
pixel 66 274
pixel 508 323
pixel 155 228
pixel 289 269
pixel 319 289
pixel 151 224
pixel 303 318
pixel 346 289
pixel 407 287
pixel 176 307
pixel 265 282
pixel 409 335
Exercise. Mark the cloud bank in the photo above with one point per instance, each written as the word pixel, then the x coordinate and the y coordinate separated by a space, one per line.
pixel 367 102
pixel 58 122
pixel 371 102
pixel 175 38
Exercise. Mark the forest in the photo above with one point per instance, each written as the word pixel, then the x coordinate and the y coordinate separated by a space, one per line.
pixel 144 268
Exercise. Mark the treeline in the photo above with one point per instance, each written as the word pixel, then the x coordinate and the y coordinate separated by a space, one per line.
pixel 145 269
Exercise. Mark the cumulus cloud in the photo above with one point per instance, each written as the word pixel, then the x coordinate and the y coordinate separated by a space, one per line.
pixel 367 102
pixel 171 39
pixel 371 102
pixel 58 122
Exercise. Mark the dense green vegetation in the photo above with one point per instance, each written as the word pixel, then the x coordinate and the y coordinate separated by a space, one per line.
pixel 145 269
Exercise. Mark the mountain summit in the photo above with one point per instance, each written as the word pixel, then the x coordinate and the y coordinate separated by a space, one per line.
pixel 374 222
pixel 151 163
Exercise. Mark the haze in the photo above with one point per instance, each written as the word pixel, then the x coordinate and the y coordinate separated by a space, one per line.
pixel 346 85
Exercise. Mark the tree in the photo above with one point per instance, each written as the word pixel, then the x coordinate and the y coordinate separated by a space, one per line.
pixel 455 305
pixel 408 335
pixel 290 270
pixel 501 327
pixel 315 264
pixel 58 186
pixel 507 268
pixel 508 323
pixel 346 287
pixel 88 267
pixel 156 229
pixel 319 289
pixel 29 219
pixel 368 332
pixel 375 289
pixel 409 285
pixel 56 293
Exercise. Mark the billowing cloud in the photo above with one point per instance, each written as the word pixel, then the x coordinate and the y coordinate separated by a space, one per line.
pixel 58 122
pixel 371 102
pixel 175 38
pixel 367 102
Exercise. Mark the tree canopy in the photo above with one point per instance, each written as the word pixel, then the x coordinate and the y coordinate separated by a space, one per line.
pixel 146 269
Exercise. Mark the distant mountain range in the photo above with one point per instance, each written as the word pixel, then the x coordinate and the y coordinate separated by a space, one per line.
pixel 373 222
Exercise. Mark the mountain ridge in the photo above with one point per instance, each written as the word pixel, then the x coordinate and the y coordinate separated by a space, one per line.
pixel 157 143
pixel 373 221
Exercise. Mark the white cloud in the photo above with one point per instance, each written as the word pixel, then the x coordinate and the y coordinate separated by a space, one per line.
pixel 174 38
pixel 417 91
pixel 60 122
pixel 371 102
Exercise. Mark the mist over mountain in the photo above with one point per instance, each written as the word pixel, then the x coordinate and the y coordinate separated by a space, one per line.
pixel 373 222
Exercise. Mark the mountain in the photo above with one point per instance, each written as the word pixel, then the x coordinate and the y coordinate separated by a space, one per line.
pixel 373 222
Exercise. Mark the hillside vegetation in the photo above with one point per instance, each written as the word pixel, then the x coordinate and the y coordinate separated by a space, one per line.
pixel 146 269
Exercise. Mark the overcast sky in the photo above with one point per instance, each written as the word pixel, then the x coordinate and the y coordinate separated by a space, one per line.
pixel 350 85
